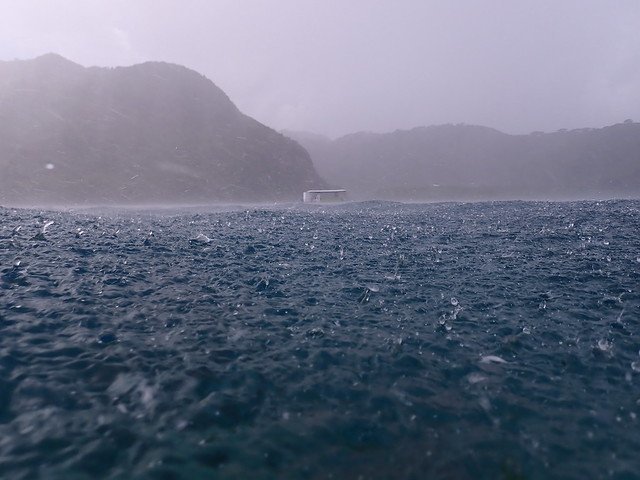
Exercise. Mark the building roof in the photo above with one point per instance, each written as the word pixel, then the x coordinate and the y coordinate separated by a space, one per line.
pixel 325 191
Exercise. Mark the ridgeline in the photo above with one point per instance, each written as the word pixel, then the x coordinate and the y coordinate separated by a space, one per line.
pixel 149 133
pixel 462 162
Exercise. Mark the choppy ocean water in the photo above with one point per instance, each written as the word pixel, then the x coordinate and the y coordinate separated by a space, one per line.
pixel 367 340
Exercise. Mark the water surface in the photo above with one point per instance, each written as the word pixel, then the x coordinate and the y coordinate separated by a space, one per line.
pixel 366 340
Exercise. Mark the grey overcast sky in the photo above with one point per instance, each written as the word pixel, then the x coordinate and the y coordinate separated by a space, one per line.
pixel 340 66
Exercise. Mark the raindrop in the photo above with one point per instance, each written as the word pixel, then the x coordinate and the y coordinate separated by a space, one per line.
pixel 485 403
pixel 200 238
pixel 492 359
pixel 604 345
pixel 107 338
pixel 315 332
pixel 475 377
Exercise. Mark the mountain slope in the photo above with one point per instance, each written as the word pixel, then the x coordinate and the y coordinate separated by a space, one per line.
pixel 154 132
pixel 470 162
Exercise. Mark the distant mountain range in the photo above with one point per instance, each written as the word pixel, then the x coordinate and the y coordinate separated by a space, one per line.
pixel 161 133
pixel 461 162
pixel 154 132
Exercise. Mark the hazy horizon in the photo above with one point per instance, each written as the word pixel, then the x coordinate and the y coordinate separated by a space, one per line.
pixel 333 68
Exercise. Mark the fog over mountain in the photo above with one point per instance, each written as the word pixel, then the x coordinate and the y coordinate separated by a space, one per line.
pixel 462 162
pixel 161 133
pixel 336 67
pixel 154 132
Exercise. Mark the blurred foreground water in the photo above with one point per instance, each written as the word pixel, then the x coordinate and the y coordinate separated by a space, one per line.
pixel 367 340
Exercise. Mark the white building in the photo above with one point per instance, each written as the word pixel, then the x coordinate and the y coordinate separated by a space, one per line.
pixel 322 196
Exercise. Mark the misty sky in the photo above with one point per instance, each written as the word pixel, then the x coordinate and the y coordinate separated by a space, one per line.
pixel 340 66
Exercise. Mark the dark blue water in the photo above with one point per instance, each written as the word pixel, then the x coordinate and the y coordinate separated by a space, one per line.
pixel 382 341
